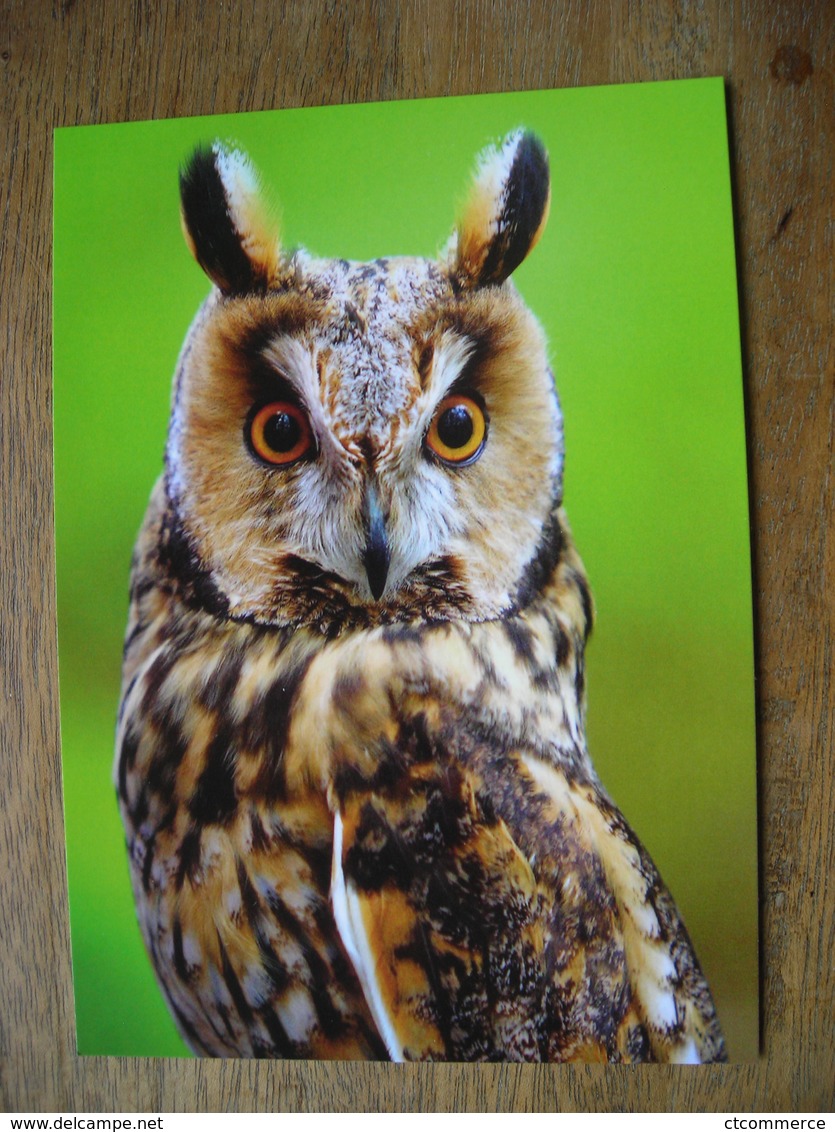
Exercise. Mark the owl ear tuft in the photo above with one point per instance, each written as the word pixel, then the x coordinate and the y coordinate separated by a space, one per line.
pixel 225 221
pixel 505 213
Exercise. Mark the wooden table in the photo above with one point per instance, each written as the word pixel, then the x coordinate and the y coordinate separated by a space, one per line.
pixel 88 61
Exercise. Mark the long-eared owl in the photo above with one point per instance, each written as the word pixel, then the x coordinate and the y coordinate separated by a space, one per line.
pixel 361 817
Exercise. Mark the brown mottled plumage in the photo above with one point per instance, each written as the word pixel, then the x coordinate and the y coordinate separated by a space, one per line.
pixel 361 817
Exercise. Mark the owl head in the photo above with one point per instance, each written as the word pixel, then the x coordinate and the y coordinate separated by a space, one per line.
pixel 363 442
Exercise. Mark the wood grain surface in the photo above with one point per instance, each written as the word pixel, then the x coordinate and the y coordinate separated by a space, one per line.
pixel 87 61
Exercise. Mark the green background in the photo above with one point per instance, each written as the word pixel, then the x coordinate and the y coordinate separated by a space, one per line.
pixel 635 284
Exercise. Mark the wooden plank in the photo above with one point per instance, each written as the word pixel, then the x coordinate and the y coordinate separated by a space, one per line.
pixel 69 63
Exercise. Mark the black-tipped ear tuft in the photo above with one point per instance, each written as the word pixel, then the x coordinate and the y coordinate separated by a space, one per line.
pixel 506 211
pixel 223 220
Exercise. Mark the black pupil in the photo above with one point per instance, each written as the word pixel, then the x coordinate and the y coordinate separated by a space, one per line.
pixel 282 432
pixel 455 426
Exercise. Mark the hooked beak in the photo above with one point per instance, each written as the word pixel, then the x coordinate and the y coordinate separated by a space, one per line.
pixel 377 554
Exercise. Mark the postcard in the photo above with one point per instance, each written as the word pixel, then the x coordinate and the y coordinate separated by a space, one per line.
pixel 404 587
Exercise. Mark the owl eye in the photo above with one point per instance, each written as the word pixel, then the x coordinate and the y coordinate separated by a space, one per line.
pixel 458 430
pixel 279 433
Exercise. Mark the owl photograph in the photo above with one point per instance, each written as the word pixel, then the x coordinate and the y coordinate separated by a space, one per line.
pixel 377 798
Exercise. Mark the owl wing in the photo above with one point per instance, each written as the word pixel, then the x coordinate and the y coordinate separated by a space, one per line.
pixel 670 993
pixel 494 909
pixel 441 915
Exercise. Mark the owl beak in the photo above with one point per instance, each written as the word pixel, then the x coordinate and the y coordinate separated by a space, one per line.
pixel 377 554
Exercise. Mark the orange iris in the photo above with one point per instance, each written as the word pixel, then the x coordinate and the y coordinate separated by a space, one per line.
pixel 279 433
pixel 458 430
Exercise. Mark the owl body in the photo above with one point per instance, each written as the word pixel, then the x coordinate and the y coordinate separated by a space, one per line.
pixel 361 816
